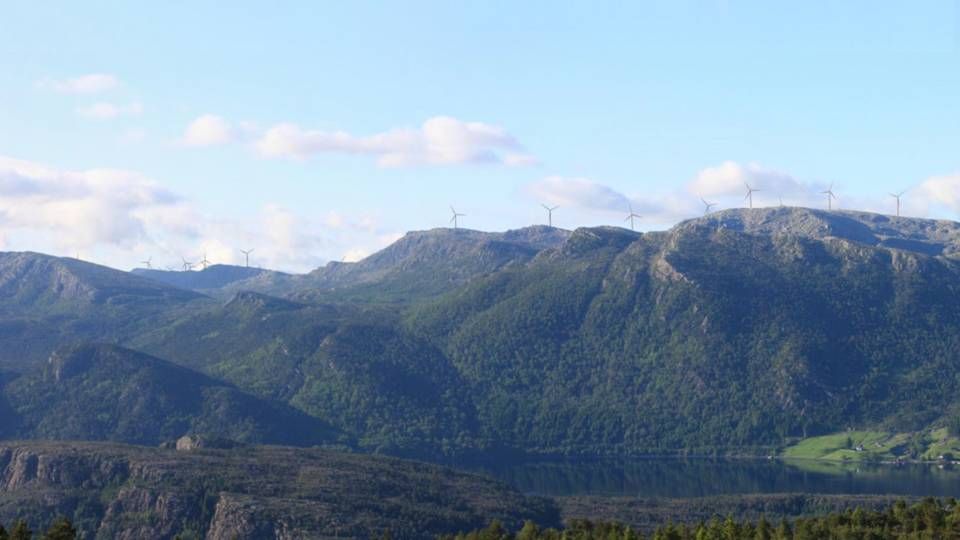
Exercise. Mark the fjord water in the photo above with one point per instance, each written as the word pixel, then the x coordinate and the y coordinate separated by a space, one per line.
pixel 683 478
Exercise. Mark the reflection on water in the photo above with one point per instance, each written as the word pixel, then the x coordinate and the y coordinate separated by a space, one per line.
pixel 682 478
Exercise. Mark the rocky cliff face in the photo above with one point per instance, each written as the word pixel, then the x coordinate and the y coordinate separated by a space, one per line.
pixel 114 491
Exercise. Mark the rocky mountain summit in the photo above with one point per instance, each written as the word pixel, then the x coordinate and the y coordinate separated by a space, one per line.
pixel 924 236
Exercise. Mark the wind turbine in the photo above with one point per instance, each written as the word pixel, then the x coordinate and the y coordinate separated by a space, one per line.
pixel 549 213
pixel 830 196
pixel 631 217
pixel 456 216
pixel 204 262
pixel 246 255
pixel 897 197
pixel 749 196
pixel 147 263
pixel 707 205
pixel 187 265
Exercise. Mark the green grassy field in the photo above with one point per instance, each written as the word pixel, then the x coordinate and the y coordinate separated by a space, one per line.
pixel 941 444
pixel 874 446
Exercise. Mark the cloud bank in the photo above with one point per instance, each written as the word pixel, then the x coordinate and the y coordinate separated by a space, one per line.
pixel 441 140
pixel 725 185
pixel 124 217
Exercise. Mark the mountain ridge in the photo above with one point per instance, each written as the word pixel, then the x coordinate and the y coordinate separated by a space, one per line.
pixel 761 325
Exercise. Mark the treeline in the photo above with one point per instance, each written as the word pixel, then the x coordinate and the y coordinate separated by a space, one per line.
pixel 60 529
pixel 930 519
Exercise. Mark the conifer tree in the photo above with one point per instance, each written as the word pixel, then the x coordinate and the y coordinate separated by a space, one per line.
pixel 61 529
pixel 21 531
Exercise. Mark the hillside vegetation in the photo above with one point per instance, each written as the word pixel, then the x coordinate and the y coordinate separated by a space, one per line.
pixel 741 332
pixel 104 392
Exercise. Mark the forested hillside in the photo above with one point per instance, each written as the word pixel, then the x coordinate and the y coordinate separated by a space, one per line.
pixel 105 392
pixel 737 332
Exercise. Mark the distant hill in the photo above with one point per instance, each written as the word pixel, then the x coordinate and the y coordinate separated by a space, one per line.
pixel 105 392
pixel 47 302
pixel 419 265
pixel 40 284
pixel 209 279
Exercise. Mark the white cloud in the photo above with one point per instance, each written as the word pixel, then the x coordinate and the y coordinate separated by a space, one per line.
pixel 731 178
pixel 77 208
pixel 441 140
pixel 723 184
pixel 937 191
pixel 122 217
pixel 210 130
pixel 93 83
pixel 578 193
pixel 592 200
pixel 108 111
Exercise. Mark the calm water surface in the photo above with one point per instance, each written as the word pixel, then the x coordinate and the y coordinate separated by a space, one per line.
pixel 705 477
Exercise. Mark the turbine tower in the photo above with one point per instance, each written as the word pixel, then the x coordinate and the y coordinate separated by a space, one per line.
pixel 707 205
pixel 897 197
pixel 631 217
pixel 830 196
pixel 549 213
pixel 187 265
pixel 749 196
pixel 456 215
pixel 246 256
pixel 147 263
pixel 204 262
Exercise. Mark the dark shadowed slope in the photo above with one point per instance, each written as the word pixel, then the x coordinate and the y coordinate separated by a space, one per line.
pixel 104 392
pixel 46 302
pixel 354 368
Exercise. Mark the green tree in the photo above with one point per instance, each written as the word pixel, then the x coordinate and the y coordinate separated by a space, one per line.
pixel 21 531
pixel 530 531
pixel 784 532
pixel 61 529
pixel 494 532
pixel 763 530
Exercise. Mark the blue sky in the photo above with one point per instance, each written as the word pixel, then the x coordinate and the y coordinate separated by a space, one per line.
pixel 324 130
